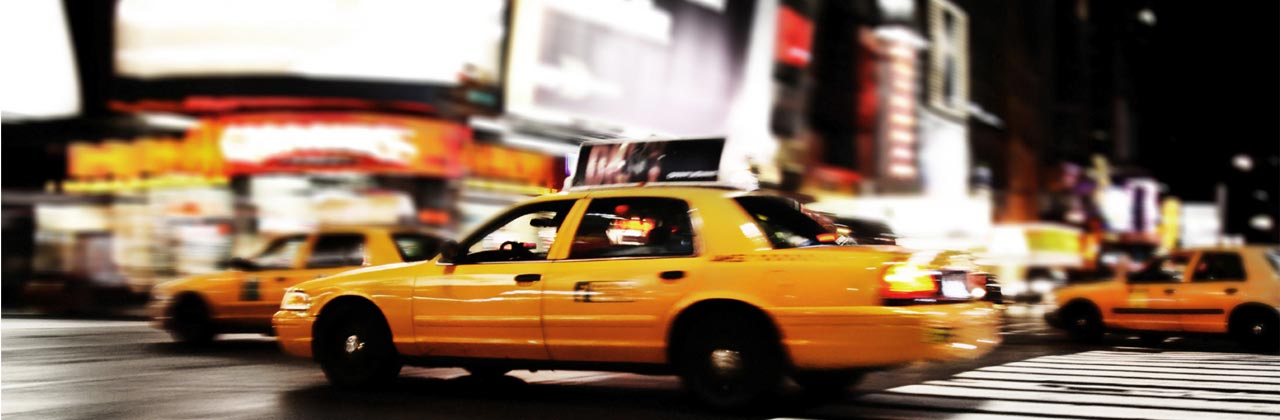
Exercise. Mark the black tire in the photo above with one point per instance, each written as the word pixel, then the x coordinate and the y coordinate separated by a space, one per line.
pixel 729 362
pixel 1083 323
pixel 827 386
pixel 484 372
pixel 354 348
pixel 1257 330
pixel 190 324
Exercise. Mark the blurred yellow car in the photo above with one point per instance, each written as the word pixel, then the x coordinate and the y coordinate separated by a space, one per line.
pixel 195 309
pixel 731 290
pixel 1232 291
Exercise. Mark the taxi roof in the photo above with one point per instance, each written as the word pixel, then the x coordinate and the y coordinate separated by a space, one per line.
pixel 694 192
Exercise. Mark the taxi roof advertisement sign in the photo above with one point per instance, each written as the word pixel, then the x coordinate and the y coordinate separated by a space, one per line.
pixel 648 161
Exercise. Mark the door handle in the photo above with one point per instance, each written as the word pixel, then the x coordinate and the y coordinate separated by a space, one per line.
pixel 1168 291
pixel 279 278
pixel 320 276
pixel 671 275
pixel 527 278
pixel 1231 291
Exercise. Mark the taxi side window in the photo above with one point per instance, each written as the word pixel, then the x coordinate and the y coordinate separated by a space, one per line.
pixel 634 227
pixel 523 234
pixel 782 221
pixel 337 250
pixel 1219 266
pixel 415 246
pixel 1168 269
pixel 280 254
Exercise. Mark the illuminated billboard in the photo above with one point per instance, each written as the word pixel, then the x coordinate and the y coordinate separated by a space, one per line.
pixel 663 66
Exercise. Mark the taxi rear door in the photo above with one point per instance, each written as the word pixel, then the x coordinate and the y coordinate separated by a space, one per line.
pixel 1217 285
pixel 630 261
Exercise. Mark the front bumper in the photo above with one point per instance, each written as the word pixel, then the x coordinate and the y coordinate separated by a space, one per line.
pixel 293 332
pixel 158 312
pixel 862 337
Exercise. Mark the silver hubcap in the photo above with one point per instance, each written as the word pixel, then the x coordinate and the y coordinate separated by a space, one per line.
pixel 1081 322
pixel 1257 329
pixel 726 362
pixel 354 344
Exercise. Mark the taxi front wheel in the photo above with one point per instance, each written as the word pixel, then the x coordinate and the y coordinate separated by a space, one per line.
pixel 354 348
pixel 190 322
pixel 1083 323
pixel 730 364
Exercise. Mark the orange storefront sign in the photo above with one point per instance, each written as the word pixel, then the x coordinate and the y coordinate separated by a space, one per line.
pixel 502 163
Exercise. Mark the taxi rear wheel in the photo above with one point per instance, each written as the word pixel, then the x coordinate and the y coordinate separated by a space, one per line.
pixel 729 363
pixel 190 322
pixel 1257 330
pixel 355 349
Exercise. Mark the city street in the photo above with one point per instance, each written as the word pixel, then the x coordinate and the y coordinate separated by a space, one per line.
pixel 102 369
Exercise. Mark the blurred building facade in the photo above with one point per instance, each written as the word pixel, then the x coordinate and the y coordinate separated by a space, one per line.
pixel 961 124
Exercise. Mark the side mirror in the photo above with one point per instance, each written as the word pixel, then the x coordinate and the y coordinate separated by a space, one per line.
pixel 448 251
pixel 242 264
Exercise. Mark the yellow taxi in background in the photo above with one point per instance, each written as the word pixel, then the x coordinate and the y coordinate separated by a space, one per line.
pixel 195 309
pixel 733 291
pixel 1233 291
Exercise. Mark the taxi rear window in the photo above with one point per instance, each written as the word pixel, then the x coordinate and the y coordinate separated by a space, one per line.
pixel 782 221
pixel 1273 258
pixel 415 246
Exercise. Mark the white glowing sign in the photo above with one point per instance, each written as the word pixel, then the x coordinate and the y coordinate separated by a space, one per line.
pixel 260 143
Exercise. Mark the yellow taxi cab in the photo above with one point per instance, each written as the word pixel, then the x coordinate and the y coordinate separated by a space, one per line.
pixel 1233 290
pixel 195 309
pixel 731 290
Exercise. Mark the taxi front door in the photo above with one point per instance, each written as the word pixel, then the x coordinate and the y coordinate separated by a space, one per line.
pixel 1152 299
pixel 486 301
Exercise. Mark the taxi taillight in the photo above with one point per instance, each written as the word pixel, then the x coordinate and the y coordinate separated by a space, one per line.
pixel 906 281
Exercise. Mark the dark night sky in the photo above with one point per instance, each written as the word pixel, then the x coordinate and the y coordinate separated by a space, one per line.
pixel 1213 80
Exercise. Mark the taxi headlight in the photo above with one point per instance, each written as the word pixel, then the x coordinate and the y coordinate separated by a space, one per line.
pixel 295 300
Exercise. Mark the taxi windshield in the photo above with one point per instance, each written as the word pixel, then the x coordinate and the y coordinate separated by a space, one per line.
pixel 786 223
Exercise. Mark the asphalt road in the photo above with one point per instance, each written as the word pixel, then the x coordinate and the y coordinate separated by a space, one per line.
pixel 111 369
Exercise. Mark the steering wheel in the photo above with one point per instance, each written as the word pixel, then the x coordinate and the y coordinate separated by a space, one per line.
pixel 517 250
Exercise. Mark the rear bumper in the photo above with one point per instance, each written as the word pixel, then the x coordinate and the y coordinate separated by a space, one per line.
pixel 293 332
pixel 830 338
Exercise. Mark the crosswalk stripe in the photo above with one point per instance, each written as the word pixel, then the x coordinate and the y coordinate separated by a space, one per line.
pixel 886 413
pixel 1226 357
pixel 1033 363
pixel 1142 375
pixel 1090 399
pixel 1095 384
pixel 1147 362
pixel 1061 378
pixel 1049 409
pixel 1112 390
pixel 1250 362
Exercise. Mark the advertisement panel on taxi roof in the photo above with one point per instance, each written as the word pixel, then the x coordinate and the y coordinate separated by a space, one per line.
pixel 649 161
